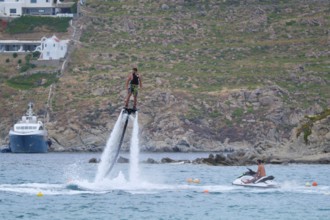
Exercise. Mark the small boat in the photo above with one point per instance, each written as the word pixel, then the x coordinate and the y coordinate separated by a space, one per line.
pixel 28 135
pixel 263 182
pixel 5 149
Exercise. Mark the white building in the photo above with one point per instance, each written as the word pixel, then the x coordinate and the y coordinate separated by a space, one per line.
pixel 10 8
pixel 16 46
pixel 52 48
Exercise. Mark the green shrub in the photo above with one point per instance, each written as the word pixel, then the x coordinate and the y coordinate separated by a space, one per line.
pixel 306 128
pixel 215 114
pixel 32 81
pixel 36 54
pixel 27 24
pixel 28 57
pixel 15 55
pixel 238 113
pixel 290 23
pixel 73 8
pixel 26 67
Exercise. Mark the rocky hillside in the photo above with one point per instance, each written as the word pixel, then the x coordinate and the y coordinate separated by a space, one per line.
pixel 216 75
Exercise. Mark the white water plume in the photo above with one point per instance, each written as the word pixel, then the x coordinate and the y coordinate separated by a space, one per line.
pixel 134 152
pixel 110 151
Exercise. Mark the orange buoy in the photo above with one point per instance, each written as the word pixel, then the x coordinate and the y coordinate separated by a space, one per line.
pixel 206 191
pixel 189 180
pixel 196 181
pixel 314 183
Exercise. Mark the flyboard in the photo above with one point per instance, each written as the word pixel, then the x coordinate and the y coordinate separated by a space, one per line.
pixel 127 112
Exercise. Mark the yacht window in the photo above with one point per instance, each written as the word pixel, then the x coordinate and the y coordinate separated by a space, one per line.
pixel 41 128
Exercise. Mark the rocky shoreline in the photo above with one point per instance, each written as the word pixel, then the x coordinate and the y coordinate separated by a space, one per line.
pixel 236 158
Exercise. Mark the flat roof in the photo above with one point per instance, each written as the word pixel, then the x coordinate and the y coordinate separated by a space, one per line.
pixel 20 42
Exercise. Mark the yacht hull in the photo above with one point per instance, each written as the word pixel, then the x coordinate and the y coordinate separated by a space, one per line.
pixel 28 143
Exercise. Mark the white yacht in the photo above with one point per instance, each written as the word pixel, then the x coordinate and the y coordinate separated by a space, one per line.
pixel 28 135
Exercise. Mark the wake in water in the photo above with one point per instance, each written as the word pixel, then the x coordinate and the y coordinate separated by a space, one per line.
pixel 120 183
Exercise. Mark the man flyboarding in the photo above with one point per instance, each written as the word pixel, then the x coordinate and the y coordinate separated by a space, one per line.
pixel 134 80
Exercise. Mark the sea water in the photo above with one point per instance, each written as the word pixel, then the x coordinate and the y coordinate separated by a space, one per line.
pixel 61 186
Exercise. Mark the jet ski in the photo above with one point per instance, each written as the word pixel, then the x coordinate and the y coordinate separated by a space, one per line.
pixel 263 182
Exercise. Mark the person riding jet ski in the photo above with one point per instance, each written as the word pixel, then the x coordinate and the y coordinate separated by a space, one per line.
pixel 261 172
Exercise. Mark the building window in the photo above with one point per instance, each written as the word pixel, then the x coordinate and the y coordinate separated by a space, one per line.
pixel 12 11
pixel 33 1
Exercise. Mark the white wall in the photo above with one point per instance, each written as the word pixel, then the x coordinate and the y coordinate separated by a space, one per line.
pixel 7 5
pixel 39 3
pixel 52 48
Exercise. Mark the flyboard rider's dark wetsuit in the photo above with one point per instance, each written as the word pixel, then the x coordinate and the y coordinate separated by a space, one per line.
pixel 134 84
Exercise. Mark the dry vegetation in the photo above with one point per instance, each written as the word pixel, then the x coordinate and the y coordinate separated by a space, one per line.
pixel 197 50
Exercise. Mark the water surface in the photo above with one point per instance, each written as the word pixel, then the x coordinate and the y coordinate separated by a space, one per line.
pixel 67 190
